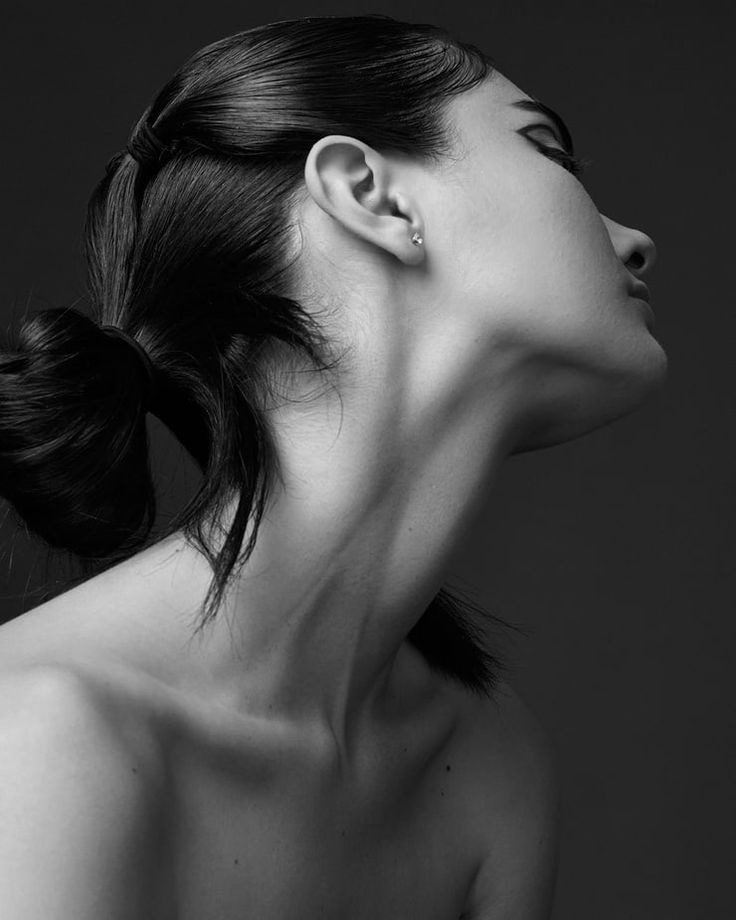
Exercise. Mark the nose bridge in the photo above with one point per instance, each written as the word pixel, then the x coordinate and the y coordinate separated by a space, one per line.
pixel 635 249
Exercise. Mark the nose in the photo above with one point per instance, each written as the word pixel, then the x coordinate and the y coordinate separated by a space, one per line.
pixel 635 249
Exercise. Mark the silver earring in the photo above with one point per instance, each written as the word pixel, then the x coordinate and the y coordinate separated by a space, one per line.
pixel 417 240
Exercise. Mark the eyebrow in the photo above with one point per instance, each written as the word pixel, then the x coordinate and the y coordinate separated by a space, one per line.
pixel 534 105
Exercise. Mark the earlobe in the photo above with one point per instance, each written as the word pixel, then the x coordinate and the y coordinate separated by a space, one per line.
pixel 357 187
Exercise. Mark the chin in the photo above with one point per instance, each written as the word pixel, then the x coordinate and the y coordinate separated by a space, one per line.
pixel 651 374
pixel 566 417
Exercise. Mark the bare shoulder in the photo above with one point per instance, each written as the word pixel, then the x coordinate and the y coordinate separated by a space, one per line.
pixel 503 738
pixel 79 805
pixel 56 704
pixel 512 808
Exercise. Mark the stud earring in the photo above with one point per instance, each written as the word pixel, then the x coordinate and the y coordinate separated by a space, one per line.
pixel 417 240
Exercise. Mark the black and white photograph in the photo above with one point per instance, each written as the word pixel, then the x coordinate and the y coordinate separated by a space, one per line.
pixel 367 461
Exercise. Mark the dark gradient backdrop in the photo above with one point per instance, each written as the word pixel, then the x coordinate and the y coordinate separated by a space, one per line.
pixel 616 550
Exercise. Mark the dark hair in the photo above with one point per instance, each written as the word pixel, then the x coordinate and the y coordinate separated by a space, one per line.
pixel 187 246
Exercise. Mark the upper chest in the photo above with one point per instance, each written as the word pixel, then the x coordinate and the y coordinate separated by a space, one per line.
pixel 445 818
pixel 261 829
pixel 454 815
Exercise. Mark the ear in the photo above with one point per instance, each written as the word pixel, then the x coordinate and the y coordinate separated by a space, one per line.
pixel 358 187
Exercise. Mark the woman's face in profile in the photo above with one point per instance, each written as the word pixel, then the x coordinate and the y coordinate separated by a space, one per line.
pixel 539 274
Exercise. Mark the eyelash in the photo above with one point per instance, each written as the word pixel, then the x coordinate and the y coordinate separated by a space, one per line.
pixel 573 164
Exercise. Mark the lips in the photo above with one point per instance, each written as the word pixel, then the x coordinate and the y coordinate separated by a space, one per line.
pixel 640 290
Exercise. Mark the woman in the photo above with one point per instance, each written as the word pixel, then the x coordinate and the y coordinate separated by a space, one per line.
pixel 356 271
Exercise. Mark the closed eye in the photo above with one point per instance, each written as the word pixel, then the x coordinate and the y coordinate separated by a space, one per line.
pixel 562 155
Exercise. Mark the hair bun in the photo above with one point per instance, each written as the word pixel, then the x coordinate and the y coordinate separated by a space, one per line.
pixel 74 453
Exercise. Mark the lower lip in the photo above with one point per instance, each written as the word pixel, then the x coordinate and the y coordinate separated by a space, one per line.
pixel 648 312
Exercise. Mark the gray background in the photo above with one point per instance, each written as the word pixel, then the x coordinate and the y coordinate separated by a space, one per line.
pixel 615 550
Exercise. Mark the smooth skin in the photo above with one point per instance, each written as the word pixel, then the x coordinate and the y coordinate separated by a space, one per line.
pixel 301 760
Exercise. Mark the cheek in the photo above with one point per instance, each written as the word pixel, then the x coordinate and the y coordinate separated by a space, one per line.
pixel 532 251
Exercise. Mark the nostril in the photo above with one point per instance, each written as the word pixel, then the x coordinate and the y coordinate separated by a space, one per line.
pixel 636 261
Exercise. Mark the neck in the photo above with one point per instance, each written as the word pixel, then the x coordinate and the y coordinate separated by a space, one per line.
pixel 374 496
